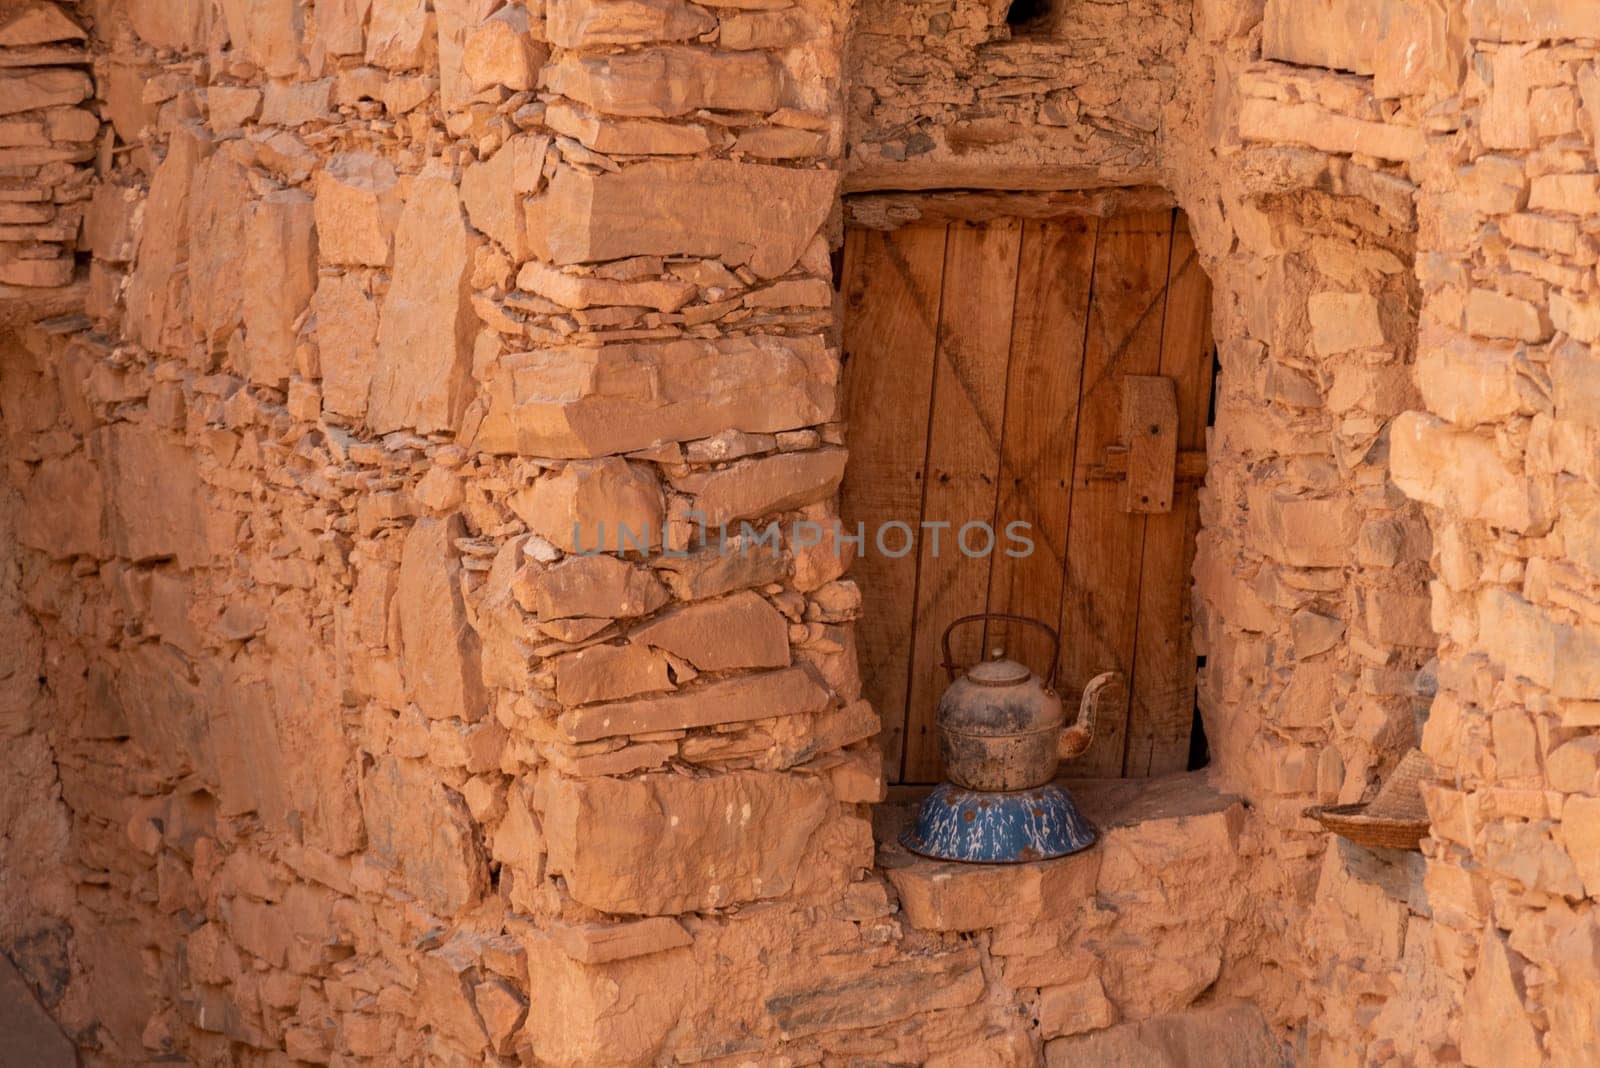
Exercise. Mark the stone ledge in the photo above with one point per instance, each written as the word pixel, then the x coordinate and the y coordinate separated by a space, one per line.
pixel 1136 814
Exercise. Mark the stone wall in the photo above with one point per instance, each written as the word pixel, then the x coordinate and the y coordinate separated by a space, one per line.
pixel 360 756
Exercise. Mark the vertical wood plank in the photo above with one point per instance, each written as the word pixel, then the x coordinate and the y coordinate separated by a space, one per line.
pixel 1162 714
pixel 980 283
pixel 891 288
pixel 1044 379
pixel 1105 546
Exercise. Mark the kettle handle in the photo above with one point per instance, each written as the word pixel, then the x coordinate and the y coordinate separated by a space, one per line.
pixel 950 666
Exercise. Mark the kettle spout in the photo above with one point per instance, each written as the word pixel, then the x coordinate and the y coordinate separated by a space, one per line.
pixel 1075 739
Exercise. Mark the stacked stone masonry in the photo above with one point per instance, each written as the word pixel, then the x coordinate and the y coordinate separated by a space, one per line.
pixel 328 742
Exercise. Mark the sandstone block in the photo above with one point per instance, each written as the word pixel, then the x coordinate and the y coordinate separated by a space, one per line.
pixel 492 191
pixel 1075 1008
pixel 787 692
pixel 750 489
pixel 159 506
pixel 607 505
pixel 1275 121
pixel 1339 34
pixel 1531 20
pixel 848 998
pixel 764 29
pixel 720 568
pixel 947 896
pixel 1468 381
pixel 617 1012
pixel 601 587
pixel 341 26
pixel 63 510
pixel 27 88
pixel 501 51
pixel 439 650
pixel 609 673
pixel 662 844
pixel 37 23
pixel 602 943
pixel 427 324
pixel 625 137
pixel 1304 531
pixel 743 213
pixel 357 208
pixel 1344 322
pixel 1580 836
pixel 741 630
pixel 619 398
pixel 1576 380
pixel 418 825
pixel 1461 471
pixel 400 35
pixel 346 329
pixel 1495 1029
pixel 220 214
pixel 596 23
pixel 1527 639
pixel 267 32
pixel 157 314
pixel 668 81
pixel 1494 315
pixel 178 25
pixel 279 279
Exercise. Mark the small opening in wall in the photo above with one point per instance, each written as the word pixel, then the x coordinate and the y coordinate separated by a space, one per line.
pixel 1028 16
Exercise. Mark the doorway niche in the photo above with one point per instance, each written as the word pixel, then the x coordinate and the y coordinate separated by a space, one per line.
pixel 997 350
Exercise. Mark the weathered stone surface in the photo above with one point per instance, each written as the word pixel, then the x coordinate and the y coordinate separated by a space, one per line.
pixel 668 81
pixel 622 397
pixel 607 505
pixel 501 51
pixel 764 29
pixel 280 277
pixel 1233 1033
pixel 427 324
pixel 179 25
pixel 1074 1008
pixel 357 208
pixel 346 329
pixel 593 587
pixel 1580 836
pixel 788 692
pixel 744 213
pixel 585 291
pixel 664 844
pixel 440 651
pixel 1531 20
pixel 609 673
pixel 155 297
pixel 595 23
pixel 418 825
pixel 1304 531
pixel 754 488
pixel 742 630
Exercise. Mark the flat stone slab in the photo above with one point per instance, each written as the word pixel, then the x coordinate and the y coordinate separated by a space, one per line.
pixel 1233 1033
pixel 1132 814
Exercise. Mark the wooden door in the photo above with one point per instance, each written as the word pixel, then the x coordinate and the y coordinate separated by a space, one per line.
pixel 983 383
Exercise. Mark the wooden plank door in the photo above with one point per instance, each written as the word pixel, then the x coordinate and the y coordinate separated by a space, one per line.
pixel 982 384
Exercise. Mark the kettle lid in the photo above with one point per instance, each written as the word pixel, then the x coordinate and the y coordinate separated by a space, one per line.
pixel 999 671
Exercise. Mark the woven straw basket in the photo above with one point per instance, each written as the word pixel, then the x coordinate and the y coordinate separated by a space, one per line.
pixel 1395 818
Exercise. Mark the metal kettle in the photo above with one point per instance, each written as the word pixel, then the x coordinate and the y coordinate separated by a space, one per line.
pixel 1001 727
